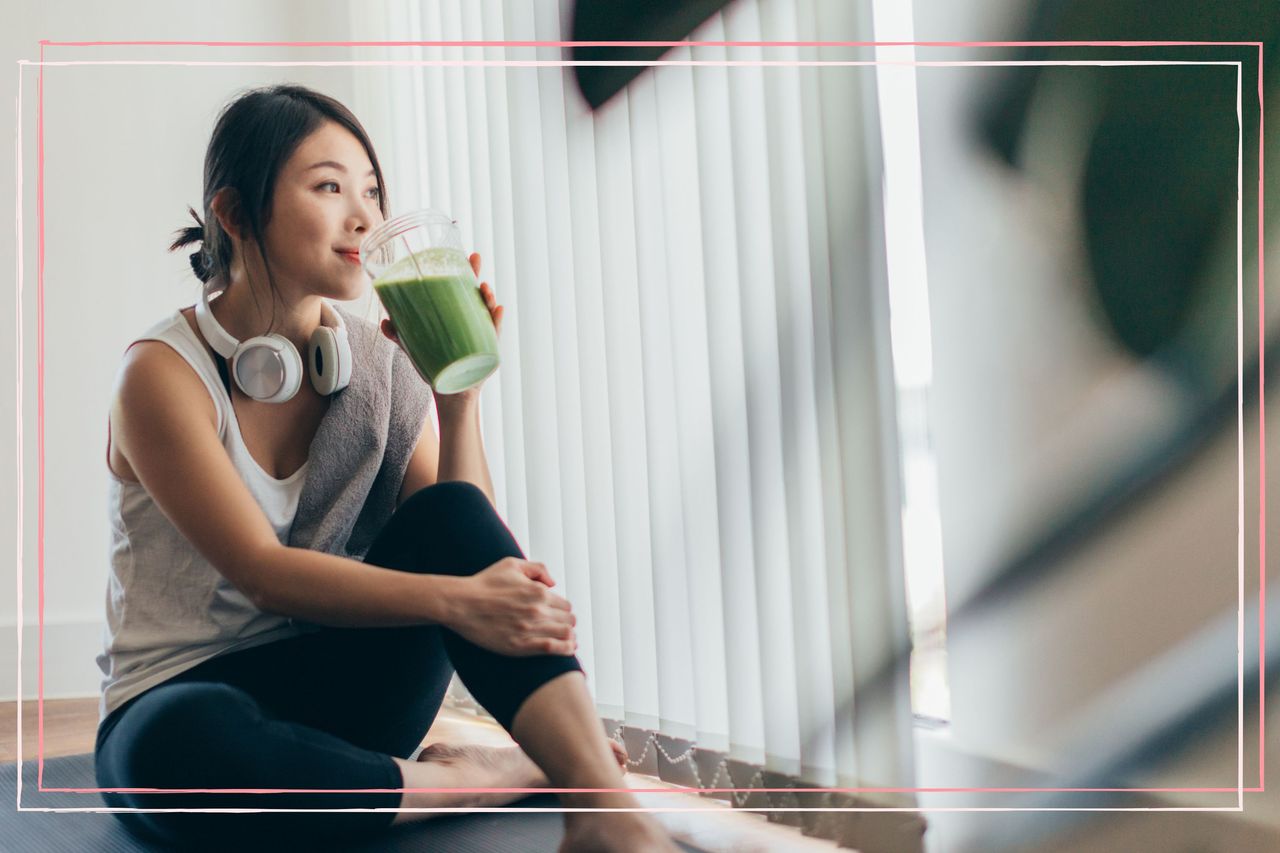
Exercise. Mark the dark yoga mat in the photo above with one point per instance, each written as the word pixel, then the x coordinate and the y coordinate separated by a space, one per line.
pixel 36 832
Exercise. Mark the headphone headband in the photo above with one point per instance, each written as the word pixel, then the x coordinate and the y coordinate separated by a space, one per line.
pixel 221 341
pixel 270 363
pixel 223 344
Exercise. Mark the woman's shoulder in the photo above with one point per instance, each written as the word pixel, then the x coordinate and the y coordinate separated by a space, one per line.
pixel 152 365
pixel 156 350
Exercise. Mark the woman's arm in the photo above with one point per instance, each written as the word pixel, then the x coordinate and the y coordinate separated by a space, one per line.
pixel 424 463
pixel 458 453
pixel 461 448
pixel 507 608
pixel 165 425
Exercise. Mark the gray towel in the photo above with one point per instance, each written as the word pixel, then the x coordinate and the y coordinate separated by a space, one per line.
pixel 360 451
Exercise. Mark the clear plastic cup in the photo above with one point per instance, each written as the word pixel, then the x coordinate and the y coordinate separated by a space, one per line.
pixel 423 278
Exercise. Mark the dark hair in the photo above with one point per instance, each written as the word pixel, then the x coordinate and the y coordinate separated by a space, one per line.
pixel 254 135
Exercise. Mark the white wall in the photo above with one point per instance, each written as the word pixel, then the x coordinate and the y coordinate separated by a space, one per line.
pixel 124 148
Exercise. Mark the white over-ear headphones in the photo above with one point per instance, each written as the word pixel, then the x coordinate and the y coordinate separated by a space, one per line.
pixel 268 367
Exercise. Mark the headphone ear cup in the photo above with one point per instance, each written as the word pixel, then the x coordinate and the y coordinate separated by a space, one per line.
pixel 267 368
pixel 329 360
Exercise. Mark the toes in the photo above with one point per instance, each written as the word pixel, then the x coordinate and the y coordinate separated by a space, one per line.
pixel 619 754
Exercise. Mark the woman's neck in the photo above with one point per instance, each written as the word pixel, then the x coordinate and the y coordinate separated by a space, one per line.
pixel 246 314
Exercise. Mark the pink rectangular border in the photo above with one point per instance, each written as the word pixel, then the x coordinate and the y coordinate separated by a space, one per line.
pixel 1261 787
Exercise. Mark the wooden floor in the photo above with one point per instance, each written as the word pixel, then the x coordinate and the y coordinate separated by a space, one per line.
pixel 69 728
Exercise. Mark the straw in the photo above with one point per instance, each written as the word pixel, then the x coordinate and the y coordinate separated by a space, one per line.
pixel 411 256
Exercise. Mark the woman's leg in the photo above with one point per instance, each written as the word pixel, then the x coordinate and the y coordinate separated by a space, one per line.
pixel 380 688
pixel 309 709
pixel 451 528
pixel 195 737
pixel 558 727
pixel 338 709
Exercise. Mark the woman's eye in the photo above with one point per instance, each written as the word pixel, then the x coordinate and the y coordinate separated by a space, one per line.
pixel 333 184
pixel 374 192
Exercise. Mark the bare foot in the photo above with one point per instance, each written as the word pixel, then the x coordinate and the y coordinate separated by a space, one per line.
pixel 508 762
pixel 445 775
pixel 487 767
pixel 605 832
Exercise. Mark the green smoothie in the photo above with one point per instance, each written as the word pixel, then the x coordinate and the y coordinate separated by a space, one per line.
pixel 441 319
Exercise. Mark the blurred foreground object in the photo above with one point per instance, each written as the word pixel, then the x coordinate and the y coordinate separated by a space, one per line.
pixel 1157 195
pixel 629 20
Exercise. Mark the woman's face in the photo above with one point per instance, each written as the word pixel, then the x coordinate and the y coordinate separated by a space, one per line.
pixel 325 203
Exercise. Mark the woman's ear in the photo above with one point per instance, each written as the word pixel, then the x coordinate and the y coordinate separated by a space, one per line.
pixel 226 208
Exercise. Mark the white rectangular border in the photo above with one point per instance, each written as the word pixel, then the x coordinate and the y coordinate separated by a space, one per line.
pixel 722 63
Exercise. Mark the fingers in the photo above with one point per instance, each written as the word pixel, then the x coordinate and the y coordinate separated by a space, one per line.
pixel 551 638
pixel 559 618
pixel 538 572
pixel 547 623
pixel 550 643
pixel 389 329
pixel 491 302
pixel 556 631
pixel 559 647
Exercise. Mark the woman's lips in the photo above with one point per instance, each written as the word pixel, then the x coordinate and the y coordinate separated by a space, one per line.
pixel 354 257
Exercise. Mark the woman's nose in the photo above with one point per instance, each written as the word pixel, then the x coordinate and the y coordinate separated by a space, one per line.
pixel 360 220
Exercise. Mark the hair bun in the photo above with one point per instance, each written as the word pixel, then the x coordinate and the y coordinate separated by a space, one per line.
pixel 201 262
pixel 200 265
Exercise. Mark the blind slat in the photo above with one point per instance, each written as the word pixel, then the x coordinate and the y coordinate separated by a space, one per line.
pixel 814 110
pixel 725 347
pixel 691 393
pixel 597 437
pixel 536 363
pixel 482 229
pixel 666 505
pixel 562 285
pixel 764 422
pixel 515 505
pixel 798 405
pixel 627 412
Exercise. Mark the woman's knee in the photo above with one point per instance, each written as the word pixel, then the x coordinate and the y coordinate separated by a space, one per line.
pixel 440 502
pixel 445 528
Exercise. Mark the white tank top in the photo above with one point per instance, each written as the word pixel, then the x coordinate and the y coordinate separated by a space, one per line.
pixel 168 608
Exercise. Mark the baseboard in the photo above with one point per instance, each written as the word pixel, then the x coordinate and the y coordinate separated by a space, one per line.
pixel 70 670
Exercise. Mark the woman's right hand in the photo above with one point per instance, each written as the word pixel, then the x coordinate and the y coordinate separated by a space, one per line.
pixel 509 608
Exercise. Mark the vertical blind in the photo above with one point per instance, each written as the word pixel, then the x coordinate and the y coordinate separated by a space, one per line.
pixel 693 422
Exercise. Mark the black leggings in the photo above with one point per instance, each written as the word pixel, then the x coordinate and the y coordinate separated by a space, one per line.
pixel 325 710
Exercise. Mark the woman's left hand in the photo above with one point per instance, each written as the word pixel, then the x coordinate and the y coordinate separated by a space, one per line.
pixel 490 301
pixel 495 312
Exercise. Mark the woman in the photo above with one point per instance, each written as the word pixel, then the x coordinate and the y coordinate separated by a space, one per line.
pixel 237 663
